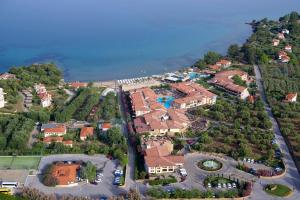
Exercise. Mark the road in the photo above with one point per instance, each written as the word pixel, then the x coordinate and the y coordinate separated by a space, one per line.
pixel 292 177
pixel 130 167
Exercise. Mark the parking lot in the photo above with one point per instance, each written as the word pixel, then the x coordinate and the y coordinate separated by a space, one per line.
pixel 104 188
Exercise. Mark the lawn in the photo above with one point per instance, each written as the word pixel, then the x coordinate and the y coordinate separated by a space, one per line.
pixel 5 162
pixel 26 162
pixel 278 190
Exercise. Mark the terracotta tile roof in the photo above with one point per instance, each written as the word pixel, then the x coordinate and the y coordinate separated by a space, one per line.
pixel 49 140
pixel 290 96
pixel 77 84
pixel 65 173
pixel 144 99
pixel 86 131
pixel 57 129
pixel 224 79
pixel 223 62
pixel 68 142
pixel 214 67
pixel 106 125
pixel 160 156
pixel 166 119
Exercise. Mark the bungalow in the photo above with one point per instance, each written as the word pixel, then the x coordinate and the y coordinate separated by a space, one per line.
pixel 6 76
pixel 105 126
pixel 86 132
pixel 44 96
pixel 65 173
pixel 275 42
pixel 159 159
pixel 285 59
pixel 291 97
pixel 59 130
pixel 281 54
pixel 288 48
pixel 281 36
pixel 57 139
pixel 224 63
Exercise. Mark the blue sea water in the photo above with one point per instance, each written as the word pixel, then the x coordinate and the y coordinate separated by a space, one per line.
pixel 113 39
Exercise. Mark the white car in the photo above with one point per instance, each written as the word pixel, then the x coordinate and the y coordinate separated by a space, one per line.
pixel 209 185
pixel 224 185
pixel 233 185
pixel 219 185
pixel 229 185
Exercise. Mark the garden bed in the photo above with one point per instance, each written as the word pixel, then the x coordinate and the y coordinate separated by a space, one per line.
pixel 278 190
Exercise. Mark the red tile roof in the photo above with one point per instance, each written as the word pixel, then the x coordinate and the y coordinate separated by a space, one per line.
pixel 49 140
pixel 106 125
pixel 65 173
pixel 77 84
pixel 290 96
pixel 58 129
pixel 160 156
pixel 224 79
pixel 86 131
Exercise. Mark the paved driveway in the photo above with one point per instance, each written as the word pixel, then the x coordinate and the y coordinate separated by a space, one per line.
pixel 292 177
pixel 106 188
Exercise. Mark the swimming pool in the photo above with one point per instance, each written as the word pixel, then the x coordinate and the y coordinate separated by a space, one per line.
pixel 166 101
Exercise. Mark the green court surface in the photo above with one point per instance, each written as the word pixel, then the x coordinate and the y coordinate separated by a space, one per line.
pixel 19 162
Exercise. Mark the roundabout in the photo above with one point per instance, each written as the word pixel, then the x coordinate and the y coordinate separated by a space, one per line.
pixel 210 165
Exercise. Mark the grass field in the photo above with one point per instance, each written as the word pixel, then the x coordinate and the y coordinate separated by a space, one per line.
pixel 19 162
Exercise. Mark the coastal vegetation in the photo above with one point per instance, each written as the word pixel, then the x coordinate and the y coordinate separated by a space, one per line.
pixel 238 129
pixel 15 131
pixel 279 78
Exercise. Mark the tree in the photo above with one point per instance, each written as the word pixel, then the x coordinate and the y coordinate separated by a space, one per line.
pixel 211 57
pixel 88 171
pixel 233 52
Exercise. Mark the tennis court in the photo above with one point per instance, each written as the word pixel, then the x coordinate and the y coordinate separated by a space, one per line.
pixel 19 162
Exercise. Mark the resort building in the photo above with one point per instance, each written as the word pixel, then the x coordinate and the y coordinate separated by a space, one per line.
pixel 224 63
pixel 65 173
pixel 275 42
pixel 161 122
pixel 2 100
pixel 86 132
pixel 193 95
pixel 6 76
pixel 291 97
pixel 58 130
pixel 57 139
pixel 224 80
pixel 44 96
pixel 158 158
pixel 143 101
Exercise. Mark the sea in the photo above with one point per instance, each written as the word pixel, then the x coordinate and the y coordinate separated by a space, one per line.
pixel 98 40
